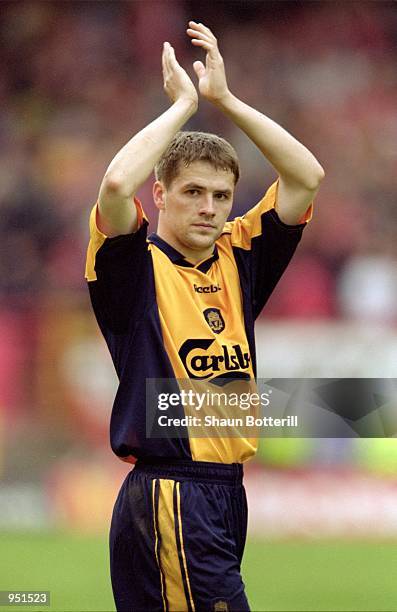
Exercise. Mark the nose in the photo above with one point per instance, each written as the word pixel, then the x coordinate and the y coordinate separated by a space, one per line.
pixel 207 207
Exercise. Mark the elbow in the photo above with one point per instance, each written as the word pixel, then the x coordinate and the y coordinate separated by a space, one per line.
pixel 318 174
pixel 114 185
pixel 111 184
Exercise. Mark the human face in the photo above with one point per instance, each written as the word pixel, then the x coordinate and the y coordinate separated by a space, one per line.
pixel 194 208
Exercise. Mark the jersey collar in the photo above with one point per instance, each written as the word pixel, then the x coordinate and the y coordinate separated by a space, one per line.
pixel 178 259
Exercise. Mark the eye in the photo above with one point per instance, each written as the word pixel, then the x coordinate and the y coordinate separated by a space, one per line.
pixel 192 191
pixel 221 196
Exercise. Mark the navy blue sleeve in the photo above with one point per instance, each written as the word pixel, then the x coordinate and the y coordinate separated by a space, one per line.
pixel 115 272
pixel 270 255
pixel 263 247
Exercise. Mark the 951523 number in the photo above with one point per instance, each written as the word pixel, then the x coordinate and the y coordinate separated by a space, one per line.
pixel 24 598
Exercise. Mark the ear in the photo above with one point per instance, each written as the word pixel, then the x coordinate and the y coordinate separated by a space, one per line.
pixel 159 195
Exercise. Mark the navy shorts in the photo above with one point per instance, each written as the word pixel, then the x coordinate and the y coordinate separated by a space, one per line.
pixel 177 538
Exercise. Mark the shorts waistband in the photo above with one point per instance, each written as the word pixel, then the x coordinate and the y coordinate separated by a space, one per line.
pixel 205 471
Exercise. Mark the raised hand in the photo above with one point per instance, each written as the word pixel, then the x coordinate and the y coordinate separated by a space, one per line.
pixel 212 77
pixel 177 83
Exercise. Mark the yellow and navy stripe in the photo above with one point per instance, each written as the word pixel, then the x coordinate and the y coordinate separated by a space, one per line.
pixel 170 555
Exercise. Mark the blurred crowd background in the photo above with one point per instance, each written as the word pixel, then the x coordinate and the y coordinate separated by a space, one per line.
pixel 77 80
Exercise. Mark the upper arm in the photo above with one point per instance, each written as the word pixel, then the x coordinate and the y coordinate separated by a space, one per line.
pixel 116 212
pixel 293 201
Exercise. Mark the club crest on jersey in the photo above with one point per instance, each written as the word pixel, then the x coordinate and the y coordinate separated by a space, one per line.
pixel 214 319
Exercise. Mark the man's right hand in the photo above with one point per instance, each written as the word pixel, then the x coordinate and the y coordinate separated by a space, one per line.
pixel 177 83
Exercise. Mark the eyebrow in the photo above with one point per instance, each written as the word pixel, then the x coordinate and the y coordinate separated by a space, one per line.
pixel 198 186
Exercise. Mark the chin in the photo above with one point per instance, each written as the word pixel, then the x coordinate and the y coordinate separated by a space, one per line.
pixel 202 242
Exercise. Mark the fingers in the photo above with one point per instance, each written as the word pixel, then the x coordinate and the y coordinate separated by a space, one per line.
pixel 200 27
pixel 167 67
pixel 200 38
pixel 169 58
pixel 203 37
pixel 164 59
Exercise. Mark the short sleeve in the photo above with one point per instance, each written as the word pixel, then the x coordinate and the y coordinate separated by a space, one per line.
pixel 114 269
pixel 263 246
pixel 248 227
pixel 97 238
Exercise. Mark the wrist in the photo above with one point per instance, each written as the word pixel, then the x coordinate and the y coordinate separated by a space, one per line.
pixel 224 101
pixel 187 103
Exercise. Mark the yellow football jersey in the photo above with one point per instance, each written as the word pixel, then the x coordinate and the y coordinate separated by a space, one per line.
pixel 165 319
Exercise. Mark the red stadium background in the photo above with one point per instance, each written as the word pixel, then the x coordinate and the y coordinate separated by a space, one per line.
pixel 77 79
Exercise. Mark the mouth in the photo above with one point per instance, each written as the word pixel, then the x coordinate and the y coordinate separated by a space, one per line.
pixel 204 225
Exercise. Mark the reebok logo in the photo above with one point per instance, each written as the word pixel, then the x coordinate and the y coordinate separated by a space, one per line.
pixel 207 289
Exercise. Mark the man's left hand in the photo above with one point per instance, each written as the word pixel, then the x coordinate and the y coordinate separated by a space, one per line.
pixel 212 77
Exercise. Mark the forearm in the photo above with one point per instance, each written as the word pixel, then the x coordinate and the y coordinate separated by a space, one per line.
pixel 292 160
pixel 135 161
